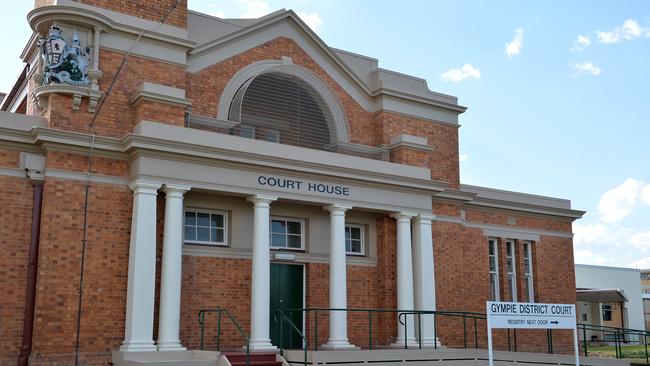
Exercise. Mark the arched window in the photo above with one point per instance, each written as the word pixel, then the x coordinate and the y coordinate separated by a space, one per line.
pixel 283 108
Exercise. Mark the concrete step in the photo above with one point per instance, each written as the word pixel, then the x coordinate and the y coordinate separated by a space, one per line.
pixel 166 358
pixel 236 357
pixel 257 363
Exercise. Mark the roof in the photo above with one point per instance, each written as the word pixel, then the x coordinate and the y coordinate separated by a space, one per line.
pixel 601 295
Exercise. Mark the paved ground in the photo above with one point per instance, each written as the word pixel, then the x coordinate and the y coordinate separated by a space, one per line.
pixel 440 357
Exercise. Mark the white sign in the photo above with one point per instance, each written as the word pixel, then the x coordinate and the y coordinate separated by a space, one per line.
pixel 523 315
pixel 526 315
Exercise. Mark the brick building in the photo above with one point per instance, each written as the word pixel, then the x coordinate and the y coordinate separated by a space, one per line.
pixel 234 163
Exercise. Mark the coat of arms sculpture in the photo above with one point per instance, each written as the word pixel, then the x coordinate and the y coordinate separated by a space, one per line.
pixel 63 63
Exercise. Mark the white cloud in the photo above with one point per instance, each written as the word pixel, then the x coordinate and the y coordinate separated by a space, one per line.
pixel 641 240
pixel 642 263
pixel 620 201
pixel 457 75
pixel 218 14
pixel 255 8
pixel 313 20
pixel 581 42
pixel 513 47
pixel 588 233
pixel 590 257
pixel 629 30
pixel 463 158
pixel 585 68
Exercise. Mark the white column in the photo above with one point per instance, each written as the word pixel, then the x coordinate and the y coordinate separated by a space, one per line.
pixel 404 279
pixel 260 283
pixel 423 276
pixel 138 332
pixel 170 275
pixel 338 324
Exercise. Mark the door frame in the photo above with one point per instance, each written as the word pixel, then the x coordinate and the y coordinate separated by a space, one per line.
pixel 304 287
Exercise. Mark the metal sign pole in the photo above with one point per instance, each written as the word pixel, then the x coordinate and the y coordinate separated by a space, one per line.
pixel 516 315
pixel 489 339
pixel 575 345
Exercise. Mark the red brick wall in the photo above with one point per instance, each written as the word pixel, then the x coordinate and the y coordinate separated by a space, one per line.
pixel 500 217
pixel 462 281
pixel 16 217
pixel 442 161
pixel 117 116
pixel 102 321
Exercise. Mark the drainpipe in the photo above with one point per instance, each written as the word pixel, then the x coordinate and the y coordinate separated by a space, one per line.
pixel 30 297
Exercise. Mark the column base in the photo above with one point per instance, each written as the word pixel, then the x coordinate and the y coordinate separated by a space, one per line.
pixel 333 345
pixel 134 346
pixel 261 345
pixel 170 346
pixel 430 343
pixel 411 343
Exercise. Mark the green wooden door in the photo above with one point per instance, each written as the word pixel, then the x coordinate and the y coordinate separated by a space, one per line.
pixel 286 293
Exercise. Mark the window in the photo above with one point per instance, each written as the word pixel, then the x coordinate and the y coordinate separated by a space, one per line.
pixel 247 131
pixel 607 313
pixel 510 268
pixel 529 290
pixel 205 227
pixel 273 136
pixel 287 105
pixel 494 269
pixel 354 239
pixel 287 233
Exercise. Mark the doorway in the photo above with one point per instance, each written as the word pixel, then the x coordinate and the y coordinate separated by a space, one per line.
pixel 287 292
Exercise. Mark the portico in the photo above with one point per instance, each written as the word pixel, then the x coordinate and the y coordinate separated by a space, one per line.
pixel 256 192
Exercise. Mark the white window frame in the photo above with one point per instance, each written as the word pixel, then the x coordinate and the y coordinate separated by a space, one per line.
pixel 211 212
pixel 528 276
pixel 512 275
pixel 493 242
pixel 287 219
pixel 362 238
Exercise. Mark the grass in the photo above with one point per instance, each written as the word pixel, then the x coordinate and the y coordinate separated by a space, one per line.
pixel 634 352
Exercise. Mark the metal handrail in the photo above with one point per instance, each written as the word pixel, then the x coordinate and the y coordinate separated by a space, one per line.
pixel 220 311
pixel 401 318
pixel 285 318
pixel 619 337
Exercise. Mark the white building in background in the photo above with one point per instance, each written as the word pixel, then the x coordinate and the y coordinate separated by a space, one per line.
pixel 609 296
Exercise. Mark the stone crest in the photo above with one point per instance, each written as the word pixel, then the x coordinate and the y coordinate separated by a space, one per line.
pixel 63 63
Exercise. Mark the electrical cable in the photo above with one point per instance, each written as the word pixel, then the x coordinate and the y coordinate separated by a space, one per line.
pixel 91 126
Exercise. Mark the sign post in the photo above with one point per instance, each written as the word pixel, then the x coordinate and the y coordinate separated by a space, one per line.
pixel 525 315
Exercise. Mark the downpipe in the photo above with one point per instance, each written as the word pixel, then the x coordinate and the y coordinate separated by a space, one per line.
pixel 30 297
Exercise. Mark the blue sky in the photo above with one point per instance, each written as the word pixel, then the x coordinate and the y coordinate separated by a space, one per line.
pixel 558 94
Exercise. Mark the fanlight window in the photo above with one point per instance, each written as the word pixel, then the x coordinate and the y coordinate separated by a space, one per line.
pixel 282 108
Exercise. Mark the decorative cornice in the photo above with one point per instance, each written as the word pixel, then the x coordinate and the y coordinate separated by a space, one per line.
pixel 523 207
pixel 212 122
pixel 160 94
pixel 409 141
pixel 70 11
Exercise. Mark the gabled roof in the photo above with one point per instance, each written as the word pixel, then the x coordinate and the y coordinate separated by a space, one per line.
pixel 366 83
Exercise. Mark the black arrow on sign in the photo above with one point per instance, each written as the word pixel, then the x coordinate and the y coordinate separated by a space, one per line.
pixel 555 322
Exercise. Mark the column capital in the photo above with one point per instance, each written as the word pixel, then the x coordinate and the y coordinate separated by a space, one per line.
pixel 261 200
pixel 174 190
pixel 425 219
pixel 143 187
pixel 337 209
pixel 402 216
